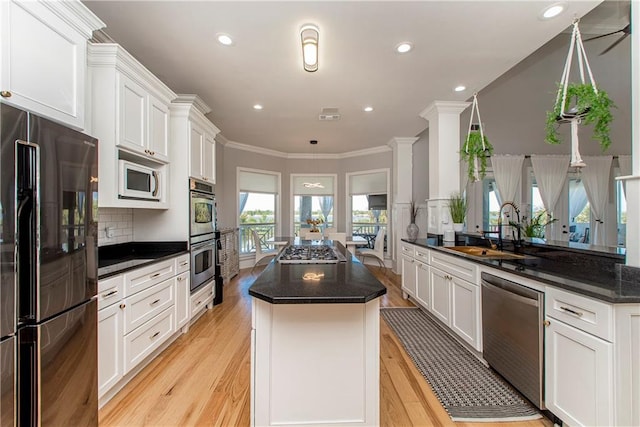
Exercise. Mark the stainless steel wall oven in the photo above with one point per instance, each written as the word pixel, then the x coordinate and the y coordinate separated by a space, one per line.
pixel 203 238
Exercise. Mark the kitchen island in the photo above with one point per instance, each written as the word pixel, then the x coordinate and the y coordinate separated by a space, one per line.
pixel 315 344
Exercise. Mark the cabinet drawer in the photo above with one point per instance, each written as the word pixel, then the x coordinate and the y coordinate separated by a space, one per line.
pixel 584 313
pixel 201 298
pixel 457 267
pixel 422 254
pixel 407 249
pixel 110 291
pixel 147 304
pixel 145 277
pixel 182 263
pixel 143 341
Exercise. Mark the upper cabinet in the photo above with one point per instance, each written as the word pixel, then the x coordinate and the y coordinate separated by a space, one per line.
pixel 130 117
pixel 194 131
pixel 44 57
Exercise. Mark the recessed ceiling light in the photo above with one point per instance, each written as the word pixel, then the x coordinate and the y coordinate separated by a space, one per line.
pixel 553 10
pixel 257 107
pixel 459 88
pixel 368 109
pixel 403 47
pixel 224 39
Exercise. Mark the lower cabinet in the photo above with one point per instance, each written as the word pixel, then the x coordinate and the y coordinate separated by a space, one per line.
pixel 423 287
pixel 465 313
pixel 201 299
pixel 110 330
pixel 578 376
pixel 440 295
pixel 408 272
pixel 183 300
pixel 144 340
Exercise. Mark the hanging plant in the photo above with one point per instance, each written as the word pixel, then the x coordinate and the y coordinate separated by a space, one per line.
pixel 476 148
pixel 579 103
pixel 591 106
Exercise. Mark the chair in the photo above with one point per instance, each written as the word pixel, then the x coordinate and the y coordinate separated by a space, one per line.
pixel 378 249
pixel 261 254
pixel 339 237
pixel 307 234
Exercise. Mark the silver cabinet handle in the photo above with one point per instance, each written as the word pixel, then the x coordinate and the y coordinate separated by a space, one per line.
pixel 568 310
pixel 179 279
pixel 123 305
pixel 198 303
pixel 154 335
pixel 184 263
pixel 155 302
pixel 108 294
pixel 153 276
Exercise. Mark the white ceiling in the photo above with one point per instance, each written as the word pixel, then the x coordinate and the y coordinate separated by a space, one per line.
pixel 455 42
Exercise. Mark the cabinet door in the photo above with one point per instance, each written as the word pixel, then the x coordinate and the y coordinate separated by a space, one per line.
pixel 578 376
pixel 440 295
pixel 132 115
pixel 158 129
pixel 422 284
pixel 196 141
pixel 408 275
pixel 110 333
pixel 465 310
pixel 183 302
pixel 209 159
pixel 43 62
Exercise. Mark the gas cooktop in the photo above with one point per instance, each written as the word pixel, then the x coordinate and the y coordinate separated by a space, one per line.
pixel 310 254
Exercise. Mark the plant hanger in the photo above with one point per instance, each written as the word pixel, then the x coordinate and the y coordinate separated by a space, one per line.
pixel 476 148
pixel 591 106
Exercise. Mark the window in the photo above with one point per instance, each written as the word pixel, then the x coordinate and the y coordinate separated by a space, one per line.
pixel 490 204
pixel 621 213
pixel 368 204
pixel 579 211
pixel 313 199
pixel 257 206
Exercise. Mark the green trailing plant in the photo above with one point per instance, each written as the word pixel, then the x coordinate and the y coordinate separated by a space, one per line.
pixel 473 149
pixel 457 208
pixel 594 108
pixel 535 226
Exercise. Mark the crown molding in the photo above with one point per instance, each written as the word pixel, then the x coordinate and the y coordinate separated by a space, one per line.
pixel 319 156
pixel 444 107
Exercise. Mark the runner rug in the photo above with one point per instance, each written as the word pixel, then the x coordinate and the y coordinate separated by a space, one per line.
pixel 468 390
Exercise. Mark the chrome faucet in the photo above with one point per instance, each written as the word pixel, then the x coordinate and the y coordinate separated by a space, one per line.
pixel 516 242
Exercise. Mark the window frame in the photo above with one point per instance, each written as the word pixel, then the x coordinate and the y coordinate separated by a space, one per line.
pixel 292 194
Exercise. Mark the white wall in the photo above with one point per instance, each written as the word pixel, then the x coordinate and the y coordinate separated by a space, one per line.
pixel 121 223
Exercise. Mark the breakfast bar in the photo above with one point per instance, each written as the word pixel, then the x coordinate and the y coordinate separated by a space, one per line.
pixel 315 339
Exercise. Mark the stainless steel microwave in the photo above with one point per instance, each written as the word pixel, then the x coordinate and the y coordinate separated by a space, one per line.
pixel 139 182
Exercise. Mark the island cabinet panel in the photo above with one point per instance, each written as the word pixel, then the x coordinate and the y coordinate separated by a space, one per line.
pixel 315 364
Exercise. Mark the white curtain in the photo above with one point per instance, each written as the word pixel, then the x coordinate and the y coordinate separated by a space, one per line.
pixel 595 177
pixel 507 171
pixel 625 169
pixel 577 199
pixel 551 174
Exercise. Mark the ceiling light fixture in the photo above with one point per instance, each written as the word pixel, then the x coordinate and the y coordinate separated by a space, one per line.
pixel 309 35
pixel 257 107
pixel 313 143
pixel 459 88
pixel 404 47
pixel 553 10
pixel 368 109
pixel 224 39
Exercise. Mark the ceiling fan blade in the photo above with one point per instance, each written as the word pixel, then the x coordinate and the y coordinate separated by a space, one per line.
pixel 614 44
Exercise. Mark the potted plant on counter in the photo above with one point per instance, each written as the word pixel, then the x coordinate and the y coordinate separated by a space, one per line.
pixel 457 210
pixel 412 228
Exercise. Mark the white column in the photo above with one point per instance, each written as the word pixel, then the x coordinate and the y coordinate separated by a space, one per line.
pixel 444 160
pixel 402 192
pixel 633 185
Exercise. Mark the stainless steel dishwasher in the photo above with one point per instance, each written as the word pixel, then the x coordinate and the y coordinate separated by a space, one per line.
pixel 513 334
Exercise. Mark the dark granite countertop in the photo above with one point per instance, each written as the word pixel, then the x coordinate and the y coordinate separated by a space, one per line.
pixel 345 282
pixel 117 259
pixel 603 277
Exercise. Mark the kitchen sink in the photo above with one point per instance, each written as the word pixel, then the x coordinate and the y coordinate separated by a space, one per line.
pixel 482 252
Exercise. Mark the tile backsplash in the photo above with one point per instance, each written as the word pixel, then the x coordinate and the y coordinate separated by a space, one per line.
pixel 115 225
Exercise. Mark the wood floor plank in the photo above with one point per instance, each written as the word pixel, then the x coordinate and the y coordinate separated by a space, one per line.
pixel 203 378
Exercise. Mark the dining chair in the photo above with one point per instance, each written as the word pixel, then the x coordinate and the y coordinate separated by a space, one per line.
pixel 378 249
pixel 260 253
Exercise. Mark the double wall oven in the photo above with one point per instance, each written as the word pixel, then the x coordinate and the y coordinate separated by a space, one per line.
pixel 203 238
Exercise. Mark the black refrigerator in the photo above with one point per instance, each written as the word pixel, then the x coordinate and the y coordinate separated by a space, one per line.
pixel 48 273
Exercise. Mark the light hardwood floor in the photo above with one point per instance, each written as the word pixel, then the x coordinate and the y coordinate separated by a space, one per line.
pixel 203 377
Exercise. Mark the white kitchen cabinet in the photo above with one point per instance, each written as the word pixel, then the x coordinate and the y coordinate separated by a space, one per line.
pixel 143 341
pixel 110 331
pixel 440 294
pixel 192 129
pixel 408 271
pixel 202 299
pixel 58 32
pixel 130 117
pixel 423 283
pixel 183 301
pixel 578 376
pixel 465 315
